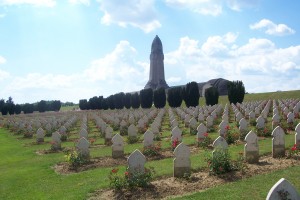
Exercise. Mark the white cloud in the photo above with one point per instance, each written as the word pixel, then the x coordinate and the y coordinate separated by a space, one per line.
pixel 204 7
pixel 46 3
pixel 3 75
pixel 84 2
pixel 211 7
pixel 2 60
pixel 136 13
pixel 174 79
pixel 271 28
pixel 238 5
pixel 259 63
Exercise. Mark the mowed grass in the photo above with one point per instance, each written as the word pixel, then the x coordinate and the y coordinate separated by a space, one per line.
pixel 27 175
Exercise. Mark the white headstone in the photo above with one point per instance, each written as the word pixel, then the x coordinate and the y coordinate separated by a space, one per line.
pixel 82 147
pixel 40 134
pixel 243 125
pixel 176 134
pixel 182 162
pixel 136 162
pixel 251 150
pixel 117 146
pixel 297 135
pixel 283 189
pixel 278 144
pixel 83 133
pixel 148 138
pixel 260 122
pixel 56 142
pixel 132 130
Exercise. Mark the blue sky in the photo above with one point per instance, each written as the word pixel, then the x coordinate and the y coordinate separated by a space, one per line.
pixel 75 49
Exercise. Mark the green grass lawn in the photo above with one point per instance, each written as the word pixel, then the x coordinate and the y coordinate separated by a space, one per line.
pixel 27 175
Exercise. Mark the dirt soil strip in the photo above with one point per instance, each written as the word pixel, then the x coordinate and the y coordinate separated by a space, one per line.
pixel 168 187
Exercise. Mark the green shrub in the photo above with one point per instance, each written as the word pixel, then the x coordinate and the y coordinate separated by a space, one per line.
pixel 152 150
pixel 219 162
pixel 75 159
pixel 132 139
pixel 130 180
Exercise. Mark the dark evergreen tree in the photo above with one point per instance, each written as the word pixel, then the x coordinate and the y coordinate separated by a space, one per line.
pixel 127 98
pixel 174 97
pixel 18 109
pixel 211 96
pixel 10 106
pixel 83 104
pixel 56 105
pixel 146 98
pixel 110 101
pixel 105 105
pixel 28 108
pixel 159 98
pixel 135 100
pixel 191 94
pixel 2 102
pixel 119 100
pixel 4 109
pixel 236 92
pixel 42 106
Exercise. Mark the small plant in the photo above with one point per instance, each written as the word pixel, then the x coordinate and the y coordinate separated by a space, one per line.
pixel 63 137
pixel 243 134
pixel 130 179
pixel 240 164
pixel 232 135
pixel 28 134
pixel 92 140
pixel 252 122
pixel 204 142
pixel 75 159
pixel 175 143
pixel 53 146
pixel 219 162
pixel 116 181
pixel 152 150
pixel 264 132
pixel 294 151
pixel 157 137
pixel 132 139
pixel 139 179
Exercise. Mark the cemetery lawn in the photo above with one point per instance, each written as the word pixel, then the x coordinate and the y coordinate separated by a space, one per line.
pixel 26 175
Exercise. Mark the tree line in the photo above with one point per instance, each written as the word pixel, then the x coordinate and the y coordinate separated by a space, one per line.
pixel 9 107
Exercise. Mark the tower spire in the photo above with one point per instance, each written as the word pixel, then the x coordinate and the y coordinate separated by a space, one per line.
pixel 157 72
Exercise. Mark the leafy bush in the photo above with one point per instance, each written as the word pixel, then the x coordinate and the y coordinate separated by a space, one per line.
pixel 132 139
pixel 130 180
pixel 204 142
pixel 219 162
pixel 232 134
pixel 75 159
pixel 152 150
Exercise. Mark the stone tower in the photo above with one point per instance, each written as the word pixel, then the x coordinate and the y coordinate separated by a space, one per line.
pixel 157 71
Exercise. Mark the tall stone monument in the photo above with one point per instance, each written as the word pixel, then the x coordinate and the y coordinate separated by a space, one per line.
pixel 157 73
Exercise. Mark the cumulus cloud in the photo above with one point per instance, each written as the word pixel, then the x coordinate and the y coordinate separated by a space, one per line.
pixel 271 28
pixel 259 63
pixel 3 75
pixel 204 7
pixel 211 7
pixel 84 2
pixel 118 71
pixel 45 3
pixel 2 60
pixel 238 5
pixel 136 13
